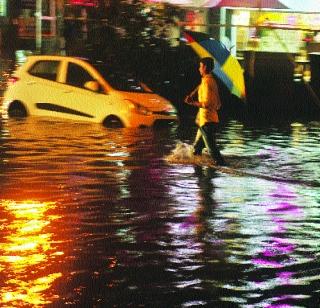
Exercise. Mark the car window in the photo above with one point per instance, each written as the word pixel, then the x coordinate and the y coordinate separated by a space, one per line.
pixel 45 69
pixel 120 80
pixel 77 76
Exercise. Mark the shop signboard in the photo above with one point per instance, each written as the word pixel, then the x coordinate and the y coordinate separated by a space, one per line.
pixel 92 3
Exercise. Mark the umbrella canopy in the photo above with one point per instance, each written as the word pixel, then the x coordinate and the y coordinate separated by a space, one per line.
pixel 227 67
pixel 258 4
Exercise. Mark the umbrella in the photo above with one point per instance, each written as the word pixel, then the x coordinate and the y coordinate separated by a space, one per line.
pixel 258 4
pixel 227 67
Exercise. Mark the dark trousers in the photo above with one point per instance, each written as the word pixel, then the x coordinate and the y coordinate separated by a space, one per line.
pixel 206 137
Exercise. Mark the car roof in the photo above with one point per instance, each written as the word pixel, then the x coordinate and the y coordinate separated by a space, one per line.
pixel 56 57
pixel 91 61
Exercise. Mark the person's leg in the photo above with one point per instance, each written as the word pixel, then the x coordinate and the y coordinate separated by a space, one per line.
pixel 198 144
pixel 208 132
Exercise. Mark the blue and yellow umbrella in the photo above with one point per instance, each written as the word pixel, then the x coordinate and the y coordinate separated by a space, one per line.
pixel 227 68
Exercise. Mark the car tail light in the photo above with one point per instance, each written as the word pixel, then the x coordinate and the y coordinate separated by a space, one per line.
pixel 12 80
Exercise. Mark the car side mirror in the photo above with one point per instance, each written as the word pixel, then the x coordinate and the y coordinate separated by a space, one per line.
pixel 92 86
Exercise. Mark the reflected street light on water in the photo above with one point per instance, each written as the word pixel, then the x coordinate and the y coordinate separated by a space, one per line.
pixel 25 253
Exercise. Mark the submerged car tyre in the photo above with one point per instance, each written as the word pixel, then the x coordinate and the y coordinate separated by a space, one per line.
pixel 17 110
pixel 112 122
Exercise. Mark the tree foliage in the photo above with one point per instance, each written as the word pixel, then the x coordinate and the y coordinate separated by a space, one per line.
pixel 136 36
pixel 139 21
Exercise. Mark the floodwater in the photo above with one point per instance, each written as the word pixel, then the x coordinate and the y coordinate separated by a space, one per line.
pixel 92 217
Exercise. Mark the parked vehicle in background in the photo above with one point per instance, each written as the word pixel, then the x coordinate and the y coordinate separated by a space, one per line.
pixel 82 90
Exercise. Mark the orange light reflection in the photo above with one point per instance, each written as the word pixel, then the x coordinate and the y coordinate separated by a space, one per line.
pixel 26 254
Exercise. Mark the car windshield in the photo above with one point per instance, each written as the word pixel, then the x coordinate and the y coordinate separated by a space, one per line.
pixel 119 80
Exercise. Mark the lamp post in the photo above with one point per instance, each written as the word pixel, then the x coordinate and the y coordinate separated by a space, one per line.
pixel 38 16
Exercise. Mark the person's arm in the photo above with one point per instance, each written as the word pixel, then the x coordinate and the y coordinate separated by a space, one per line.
pixel 206 95
pixel 194 103
pixel 189 98
pixel 194 92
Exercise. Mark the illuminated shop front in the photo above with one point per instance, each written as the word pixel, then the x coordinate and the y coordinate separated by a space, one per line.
pixel 272 31
pixel 275 32
pixel 27 18
pixel 37 23
pixel 3 8
pixel 270 26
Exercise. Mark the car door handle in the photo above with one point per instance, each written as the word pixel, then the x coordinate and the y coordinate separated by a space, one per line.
pixel 29 83
pixel 67 91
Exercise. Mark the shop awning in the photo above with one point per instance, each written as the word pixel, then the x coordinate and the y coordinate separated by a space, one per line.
pixel 93 3
pixel 299 6
pixel 255 4
pixel 251 4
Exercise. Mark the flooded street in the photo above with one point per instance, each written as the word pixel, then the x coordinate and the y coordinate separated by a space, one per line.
pixel 92 217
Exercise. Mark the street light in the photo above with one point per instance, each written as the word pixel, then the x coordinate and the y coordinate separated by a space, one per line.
pixel 38 16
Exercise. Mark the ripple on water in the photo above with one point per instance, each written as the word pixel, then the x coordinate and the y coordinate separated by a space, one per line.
pixel 89 214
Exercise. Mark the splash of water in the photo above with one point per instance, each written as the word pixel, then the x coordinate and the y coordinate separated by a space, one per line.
pixel 183 154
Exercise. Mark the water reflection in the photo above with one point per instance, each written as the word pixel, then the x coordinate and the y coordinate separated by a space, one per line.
pixel 278 258
pixel 126 228
pixel 198 252
pixel 27 253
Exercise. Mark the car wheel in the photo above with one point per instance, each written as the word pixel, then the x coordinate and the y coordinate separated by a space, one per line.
pixel 17 110
pixel 113 122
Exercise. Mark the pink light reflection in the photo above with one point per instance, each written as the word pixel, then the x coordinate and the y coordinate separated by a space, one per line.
pixel 279 246
pixel 286 207
pixel 265 262
pixel 281 299
pixel 285 277
pixel 279 249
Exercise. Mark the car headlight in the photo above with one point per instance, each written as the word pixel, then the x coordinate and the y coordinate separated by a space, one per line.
pixel 137 108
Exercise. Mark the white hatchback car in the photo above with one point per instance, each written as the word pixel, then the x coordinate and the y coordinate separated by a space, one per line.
pixel 77 89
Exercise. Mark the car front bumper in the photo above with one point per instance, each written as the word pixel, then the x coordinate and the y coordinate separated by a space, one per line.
pixel 151 120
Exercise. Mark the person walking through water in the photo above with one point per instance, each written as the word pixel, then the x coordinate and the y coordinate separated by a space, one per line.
pixel 207 118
